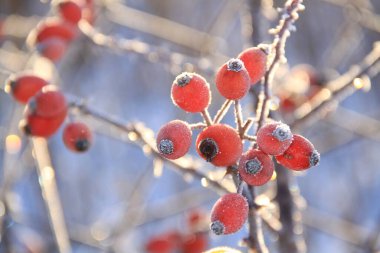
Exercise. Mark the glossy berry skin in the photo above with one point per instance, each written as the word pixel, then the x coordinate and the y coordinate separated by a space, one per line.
pixel 53 28
pixel 192 243
pixel 255 60
pixel 70 11
pixel 219 144
pixel 255 167
pixel 301 155
pixel 174 139
pixel 229 214
pixel 274 138
pixel 232 80
pixel 49 102
pixel 43 127
pixel 77 137
pixel 24 86
pixel 191 92
pixel 52 49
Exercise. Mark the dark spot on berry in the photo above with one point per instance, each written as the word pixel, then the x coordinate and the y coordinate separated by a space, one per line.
pixel 166 147
pixel 183 79
pixel 288 156
pixel 217 227
pixel 209 149
pixel 282 133
pixel 26 129
pixel 253 166
pixel 82 145
pixel 235 65
pixel 314 159
pixel 11 85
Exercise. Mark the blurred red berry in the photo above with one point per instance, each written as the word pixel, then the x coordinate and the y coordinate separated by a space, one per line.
pixel 165 243
pixel 39 126
pixel 255 60
pixel 300 155
pixel 23 86
pixel 49 102
pixel 53 48
pixel 194 243
pixel 174 139
pixel 274 138
pixel 70 11
pixel 53 28
pixel 232 80
pixel 229 214
pixel 77 137
pixel 219 144
pixel 191 92
pixel 195 219
pixel 255 167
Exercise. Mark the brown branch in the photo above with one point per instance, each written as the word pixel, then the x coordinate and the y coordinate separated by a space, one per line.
pixel 206 116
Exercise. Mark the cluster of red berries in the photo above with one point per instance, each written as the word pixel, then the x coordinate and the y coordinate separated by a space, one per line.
pixel 222 145
pixel 196 240
pixel 53 35
pixel 46 110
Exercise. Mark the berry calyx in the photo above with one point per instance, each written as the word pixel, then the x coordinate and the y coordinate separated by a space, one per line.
pixel 229 214
pixel 77 137
pixel 24 86
pixel 300 155
pixel 191 92
pixel 255 60
pixel 255 167
pixel 274 138
pixel 219 144
pixel 174 139
pixel 49 102
pixel 232 80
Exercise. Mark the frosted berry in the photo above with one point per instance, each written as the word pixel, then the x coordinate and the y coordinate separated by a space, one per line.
pixel 70 11
pixel 219 144
pixel 232 80
pixel 39 126
pixel 53 48
pixel 194 243
pixel 274 138
pixel 174 139
pixel 49 102
pixel 256 167
pixel 24 86
pixel 191 92
pixel 255 60
pixel 229 214
pixel 77 137
pixel 301 154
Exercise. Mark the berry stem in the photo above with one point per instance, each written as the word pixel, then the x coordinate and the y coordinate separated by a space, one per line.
pixel 249 137
pixel 206 116
pixel 247 125
pixel 199 125
pixel 222 111
pixel 238 118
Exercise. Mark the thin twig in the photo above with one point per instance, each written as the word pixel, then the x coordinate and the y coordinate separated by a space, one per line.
pixel 222 111
pixel 206 116
pixel 199 125
pixel 238 117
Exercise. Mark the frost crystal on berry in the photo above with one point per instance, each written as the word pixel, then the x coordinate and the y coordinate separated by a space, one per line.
pixel 235 65
pixel 217 227
pixel 82 144
pixel 253 166
pixel 282 133
pixel 166 147
pixel 209 149
pixel 314 158
pixel 183 79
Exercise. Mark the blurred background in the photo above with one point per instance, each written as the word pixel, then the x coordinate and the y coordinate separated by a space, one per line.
pixel 118 197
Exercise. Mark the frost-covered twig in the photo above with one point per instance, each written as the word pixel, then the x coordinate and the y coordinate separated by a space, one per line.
pixel 222 111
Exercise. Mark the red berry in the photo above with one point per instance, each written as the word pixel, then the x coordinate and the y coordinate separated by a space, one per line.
pixel 194 243
pixel 256 167
pixel 274 138
pixel 165 243
pixel 301 154
pixel 53 48
pixel 255 60
pixel 219 144
pixel 229 214
pixel 191 92
pixel 39 126
pixel 24 86
pixel 232 80
pixel 77 137
pixel 174 139
pixel 70 11
pixel 196 220
pixel 49 102
pixel 53 28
